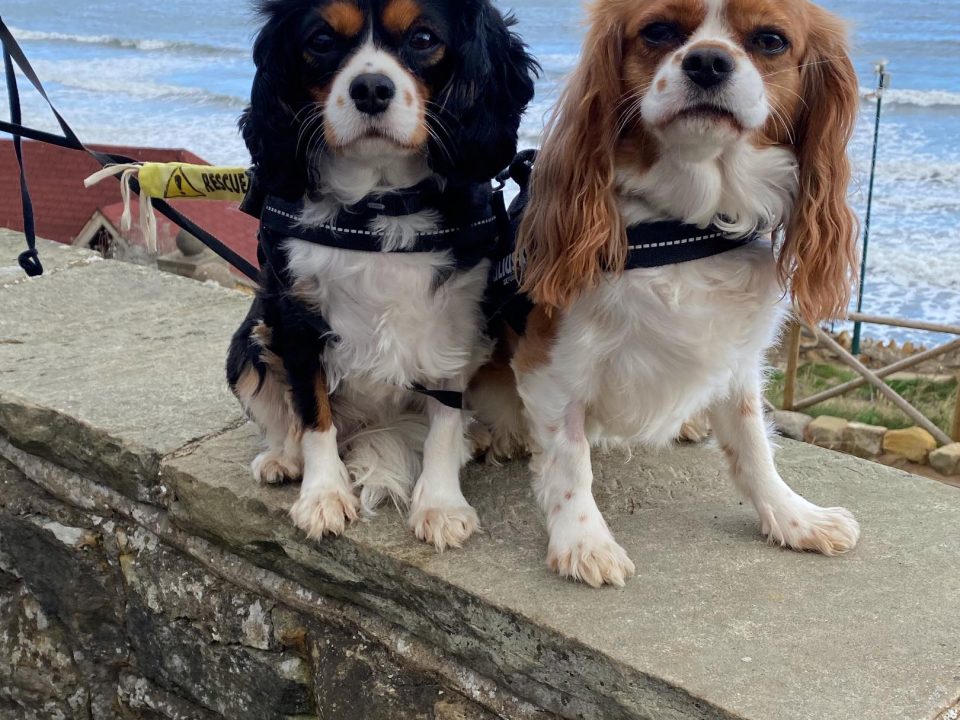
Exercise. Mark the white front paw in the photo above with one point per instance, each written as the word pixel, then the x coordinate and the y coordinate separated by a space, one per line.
pixel 444 525
pixel 326 505
pixel 589 555
pixel 803 526
pixel 325 513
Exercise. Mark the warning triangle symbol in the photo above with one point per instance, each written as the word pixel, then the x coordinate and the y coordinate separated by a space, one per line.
pixel 179 187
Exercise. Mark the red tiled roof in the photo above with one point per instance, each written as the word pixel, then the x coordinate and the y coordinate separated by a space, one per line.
pixel 63 206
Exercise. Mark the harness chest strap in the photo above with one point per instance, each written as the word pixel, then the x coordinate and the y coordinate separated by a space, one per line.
pixel 470 243
pixel 650 245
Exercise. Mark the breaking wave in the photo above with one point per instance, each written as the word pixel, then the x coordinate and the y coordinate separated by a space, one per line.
pixel 916 98
pixel 125 43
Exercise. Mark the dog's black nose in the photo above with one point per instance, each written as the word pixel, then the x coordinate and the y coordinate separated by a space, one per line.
pixel 372 93
pixel 708 67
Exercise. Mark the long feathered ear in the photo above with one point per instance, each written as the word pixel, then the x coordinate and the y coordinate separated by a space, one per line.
pixel 480 110
pixel 268 126
pixel 572 231
pixel 819 254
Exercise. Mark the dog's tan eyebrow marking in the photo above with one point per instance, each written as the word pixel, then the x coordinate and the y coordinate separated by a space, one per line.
pixel 400 15
pixel 344 17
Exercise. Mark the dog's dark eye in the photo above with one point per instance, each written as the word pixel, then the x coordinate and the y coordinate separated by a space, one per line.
pixel 423 40
pixel 322 43
pixel 661 33
pixel 769 42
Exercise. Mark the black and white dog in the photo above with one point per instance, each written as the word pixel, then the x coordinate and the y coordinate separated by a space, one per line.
pixel 379 121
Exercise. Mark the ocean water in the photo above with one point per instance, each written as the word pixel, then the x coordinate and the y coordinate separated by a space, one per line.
pixel 177 74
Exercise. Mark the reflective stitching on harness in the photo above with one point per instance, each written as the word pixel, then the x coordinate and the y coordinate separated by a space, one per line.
pixel 368 233
pixel 672 243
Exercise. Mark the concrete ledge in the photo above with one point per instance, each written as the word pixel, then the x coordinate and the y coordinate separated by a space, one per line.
pixel 109 367
pixel 112 405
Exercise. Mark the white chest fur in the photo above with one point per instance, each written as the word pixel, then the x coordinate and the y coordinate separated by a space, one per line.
pixel 650 348
pixel 395 324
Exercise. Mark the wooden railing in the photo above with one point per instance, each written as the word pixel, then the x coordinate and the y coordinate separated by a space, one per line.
pixel 871 377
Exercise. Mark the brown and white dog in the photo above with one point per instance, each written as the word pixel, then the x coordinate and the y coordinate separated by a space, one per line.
pixel 732 113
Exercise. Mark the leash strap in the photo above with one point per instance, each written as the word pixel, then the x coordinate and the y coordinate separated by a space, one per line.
pixel 448 398
pixel 28 260
pixel 13 53
pixel 504 303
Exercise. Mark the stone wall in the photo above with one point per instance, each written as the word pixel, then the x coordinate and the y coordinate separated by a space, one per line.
pixel 101 618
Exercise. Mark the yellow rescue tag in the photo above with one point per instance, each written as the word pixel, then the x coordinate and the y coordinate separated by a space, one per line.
pixel 172 181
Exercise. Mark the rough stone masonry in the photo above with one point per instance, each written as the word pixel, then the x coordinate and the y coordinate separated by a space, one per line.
pixel 144 575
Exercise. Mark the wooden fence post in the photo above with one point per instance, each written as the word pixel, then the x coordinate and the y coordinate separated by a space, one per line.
pixel 793 364
pixel 956 413
pixel 884 389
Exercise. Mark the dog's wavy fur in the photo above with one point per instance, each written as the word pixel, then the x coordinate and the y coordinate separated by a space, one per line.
pixel 571 234
pixel 334 411
pixel 615 356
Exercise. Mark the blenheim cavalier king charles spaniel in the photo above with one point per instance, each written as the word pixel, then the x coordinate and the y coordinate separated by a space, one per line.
pixel 382 120
pixel 730 115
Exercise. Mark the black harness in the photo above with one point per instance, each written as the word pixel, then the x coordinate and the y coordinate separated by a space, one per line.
pixel 651 245
pixel 485 230
pixel 468 233
pixel 470 240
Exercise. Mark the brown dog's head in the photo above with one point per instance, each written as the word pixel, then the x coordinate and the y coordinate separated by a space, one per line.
pixel 689 79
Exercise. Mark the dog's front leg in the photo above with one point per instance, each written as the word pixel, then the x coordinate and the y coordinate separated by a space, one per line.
pixel 439 513
pixel 326 501
pixel 581 545
pixel 785 517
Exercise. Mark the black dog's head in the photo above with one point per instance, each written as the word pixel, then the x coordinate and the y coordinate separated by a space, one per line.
pixel 443 78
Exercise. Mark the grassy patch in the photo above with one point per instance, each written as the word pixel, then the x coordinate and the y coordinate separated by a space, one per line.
pixel 936 400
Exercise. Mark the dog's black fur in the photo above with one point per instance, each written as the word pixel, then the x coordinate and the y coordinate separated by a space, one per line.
pixel 478 91
pixel 482 85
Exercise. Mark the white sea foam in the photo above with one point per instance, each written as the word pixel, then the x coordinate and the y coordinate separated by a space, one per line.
pixel 130 79
pixel 916 98
pixel 145 45
pixel 558 62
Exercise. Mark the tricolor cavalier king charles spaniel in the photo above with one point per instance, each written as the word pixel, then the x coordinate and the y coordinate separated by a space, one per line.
pixel 726 113
pixel 355 98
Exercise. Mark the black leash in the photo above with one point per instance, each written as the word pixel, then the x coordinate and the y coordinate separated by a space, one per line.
pixel 29 260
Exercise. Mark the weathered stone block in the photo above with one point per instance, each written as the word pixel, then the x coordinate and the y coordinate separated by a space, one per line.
pixel 865 441
pixel 791 424
pixel 54 256
pixel 104 393
pixel 946 460
pixel 145 626
pixel 915 444
pixel 827 432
